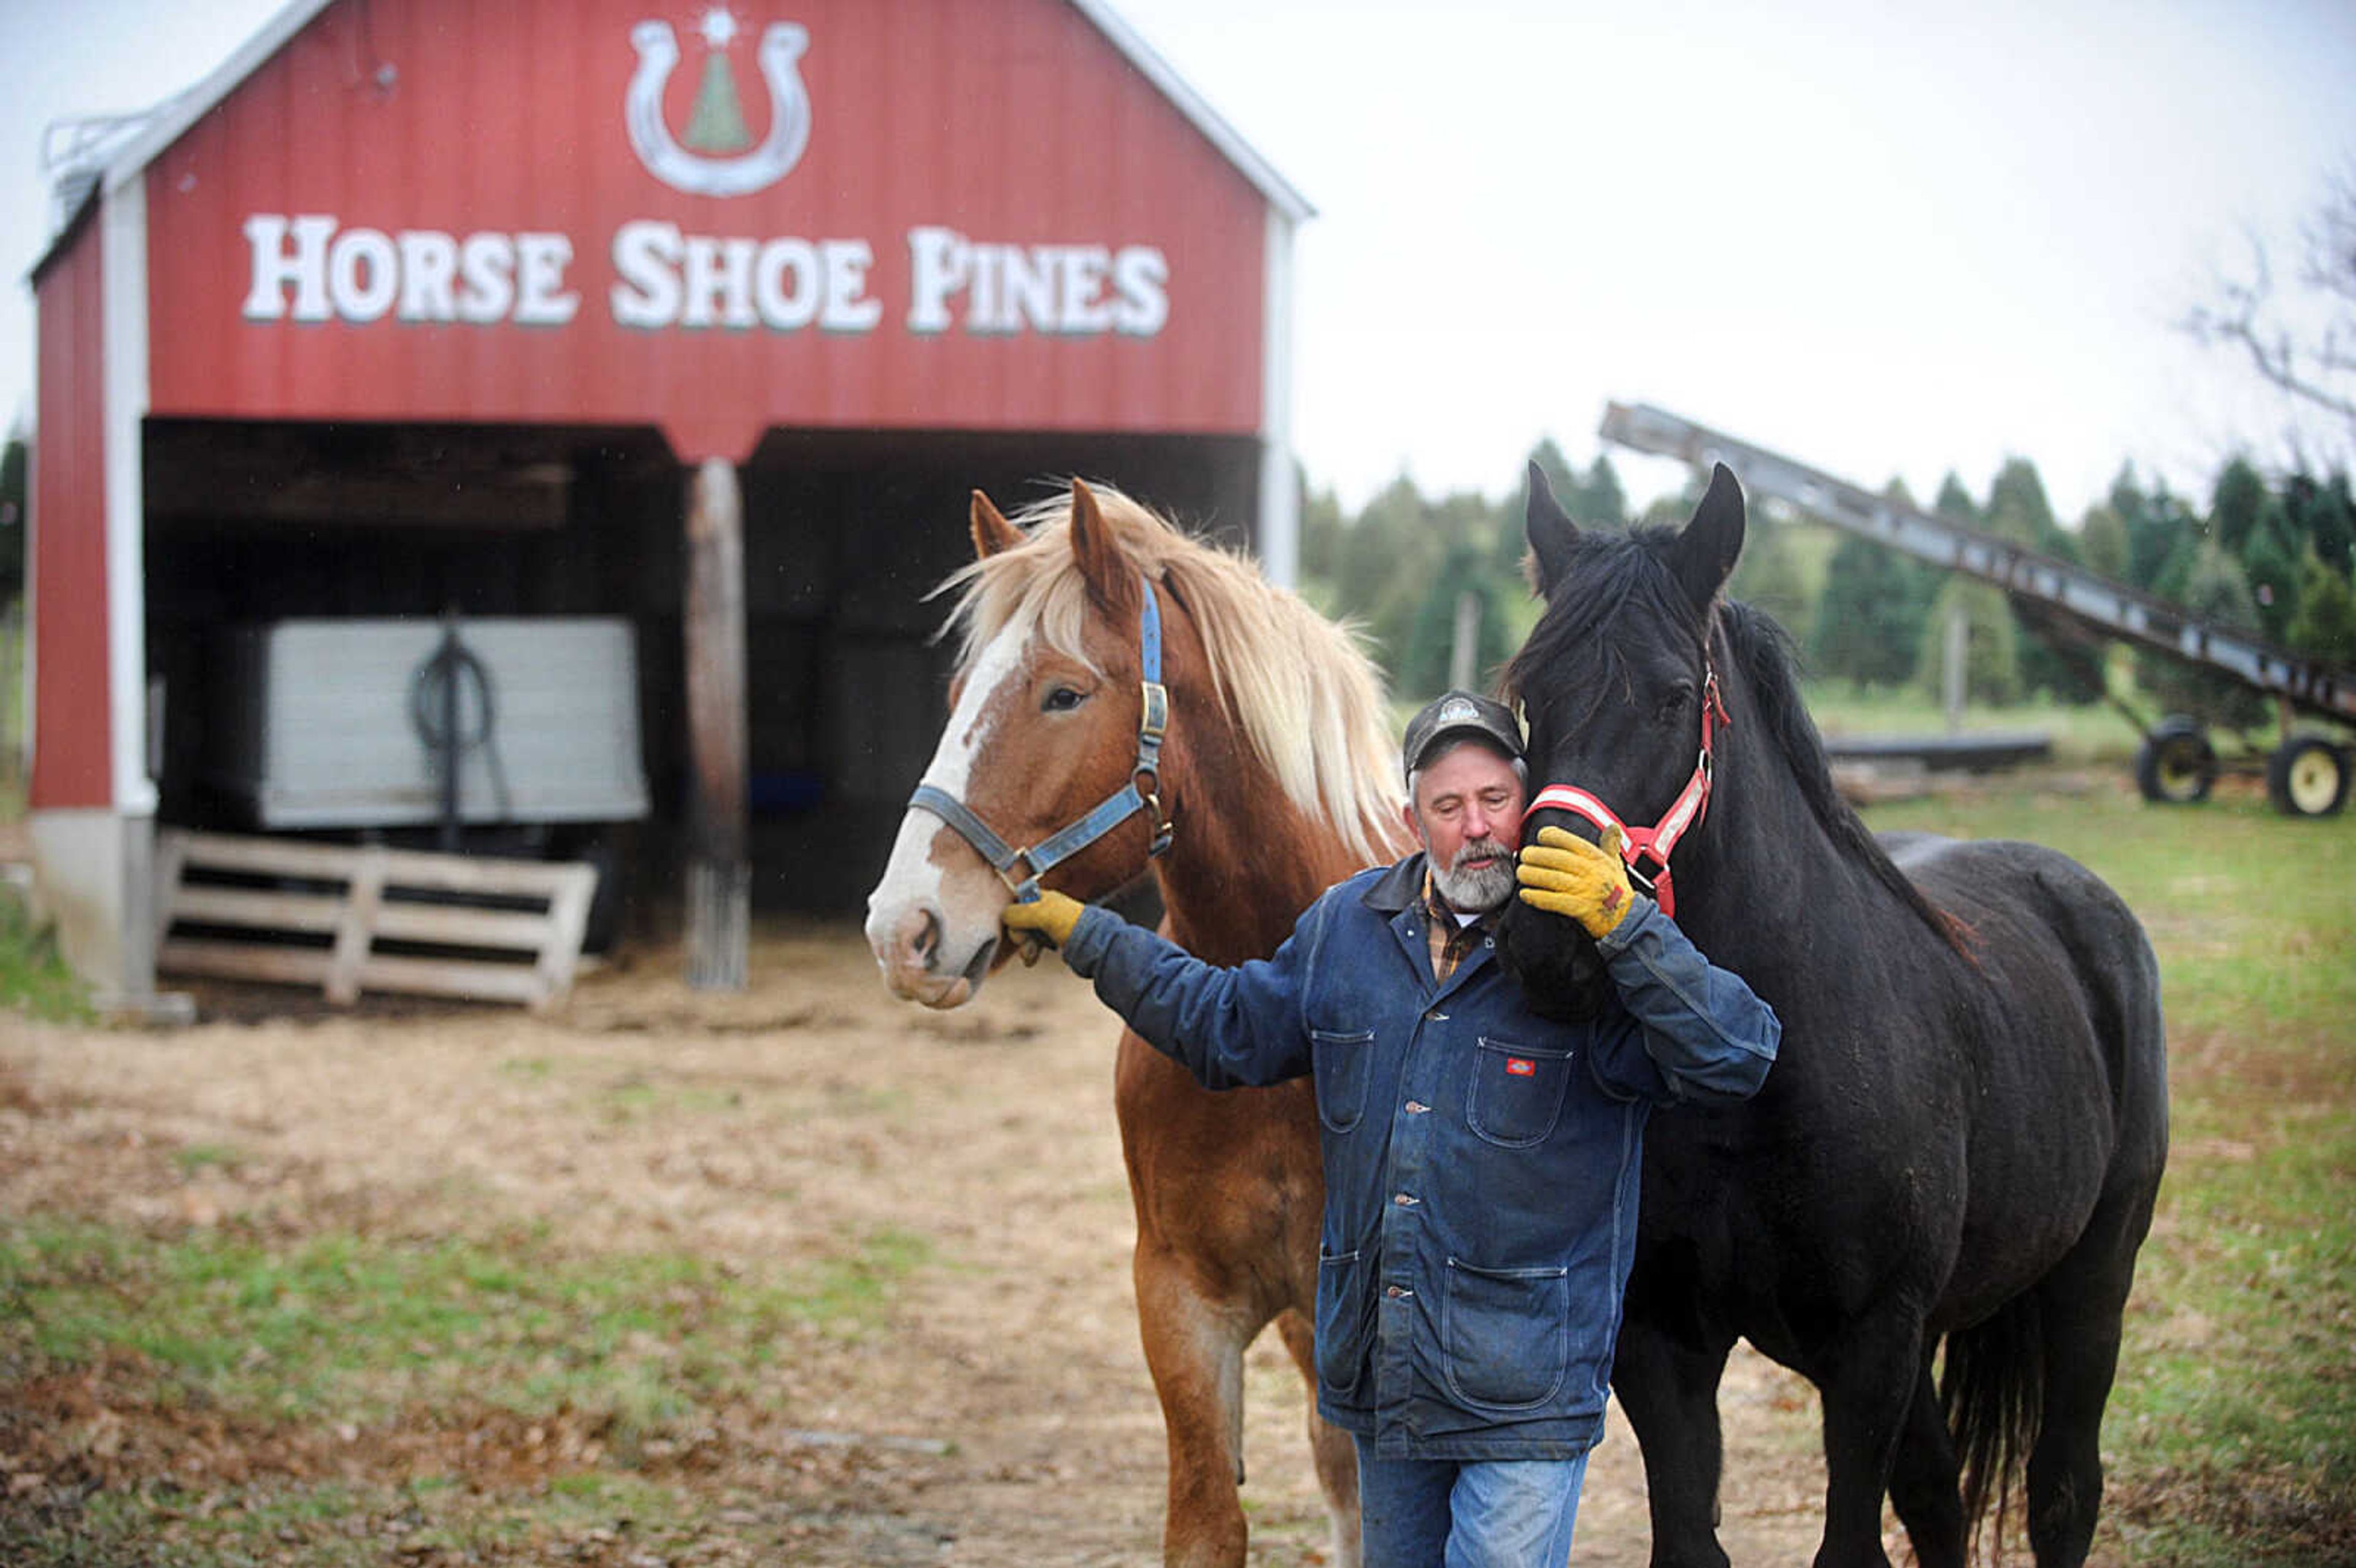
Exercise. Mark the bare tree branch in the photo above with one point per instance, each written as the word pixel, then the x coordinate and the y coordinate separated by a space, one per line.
pixel 2304 346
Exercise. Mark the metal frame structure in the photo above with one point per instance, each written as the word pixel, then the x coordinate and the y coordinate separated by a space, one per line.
pixel 2179 763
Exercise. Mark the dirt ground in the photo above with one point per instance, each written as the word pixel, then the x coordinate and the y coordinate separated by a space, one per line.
pixel 1003 1419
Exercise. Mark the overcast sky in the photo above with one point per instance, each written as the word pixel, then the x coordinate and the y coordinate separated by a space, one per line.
pixel 1885 240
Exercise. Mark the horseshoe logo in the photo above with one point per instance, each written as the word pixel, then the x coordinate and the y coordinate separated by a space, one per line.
pixel 779 54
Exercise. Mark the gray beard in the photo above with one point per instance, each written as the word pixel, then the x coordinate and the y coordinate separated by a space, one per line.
pixel 1476 890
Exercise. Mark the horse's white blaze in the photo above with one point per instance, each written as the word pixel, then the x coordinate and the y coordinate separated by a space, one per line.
pixel 951 768
pixel 932 868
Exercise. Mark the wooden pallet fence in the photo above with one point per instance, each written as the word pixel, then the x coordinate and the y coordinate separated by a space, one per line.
pixel 299 913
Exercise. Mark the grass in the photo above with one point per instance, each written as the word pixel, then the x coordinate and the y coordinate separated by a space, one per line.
pixel 2080 734
pixel 596 1369
pixel 593 1517
pixel 193 1159
pixel 351 1328
pixel 34 979
pixel 13 633
pixel 2232 1434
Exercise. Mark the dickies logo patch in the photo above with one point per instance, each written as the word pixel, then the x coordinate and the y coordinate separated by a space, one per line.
pixel 1521 1067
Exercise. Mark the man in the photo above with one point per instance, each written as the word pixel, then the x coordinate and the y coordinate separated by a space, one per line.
pixel 1480 1162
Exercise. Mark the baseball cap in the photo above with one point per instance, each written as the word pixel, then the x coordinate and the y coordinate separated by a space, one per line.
pixel 1459 713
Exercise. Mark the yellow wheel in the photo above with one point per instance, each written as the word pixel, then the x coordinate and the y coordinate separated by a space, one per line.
pixel 2176 764
pixel 2307 776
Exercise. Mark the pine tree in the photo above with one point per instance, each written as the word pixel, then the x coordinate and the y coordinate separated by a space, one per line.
pixel 2234 505
pixel 2216 591
pixel 1602 503
pixel 2158 527
pixel 1991 645
pixel 2052 661
pixel 2322 515
pixel 1322 535
pixel 1397 552
pixel 2102 543
pixel 12 518
pixel 2018 510
pixel 2270 559
pixel 1769 576
pixel 1955 503
pixel 1423 668
pixel 1380 542
pixel 718 122
pixel 2325 625
pixel 1868 621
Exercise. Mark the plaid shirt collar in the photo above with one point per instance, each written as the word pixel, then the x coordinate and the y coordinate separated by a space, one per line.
pixel 1452 941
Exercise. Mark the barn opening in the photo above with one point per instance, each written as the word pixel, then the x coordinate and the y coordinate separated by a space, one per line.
pixel 259 531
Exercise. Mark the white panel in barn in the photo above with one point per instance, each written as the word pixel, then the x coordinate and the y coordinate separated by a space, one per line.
pixel 316 722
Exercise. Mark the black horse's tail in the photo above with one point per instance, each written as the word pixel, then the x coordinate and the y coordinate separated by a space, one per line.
pixel 1993 1387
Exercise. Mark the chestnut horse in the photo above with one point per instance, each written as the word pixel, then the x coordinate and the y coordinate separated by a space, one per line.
pixel 1122 688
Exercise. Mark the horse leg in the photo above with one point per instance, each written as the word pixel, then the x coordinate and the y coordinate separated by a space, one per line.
pixel 1868 1381
pixel 2065 1467
pixel 1195 1348
pixel 1926 1481
pixel 1668 1386
pixel 2082 1306
pixel 1335 1453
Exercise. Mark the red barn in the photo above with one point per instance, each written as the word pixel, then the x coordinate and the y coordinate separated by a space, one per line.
pixel 428 308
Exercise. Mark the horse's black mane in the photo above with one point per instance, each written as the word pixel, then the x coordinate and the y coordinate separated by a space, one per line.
pixel 1762 651
pixel 1614 573
pixel 1629 571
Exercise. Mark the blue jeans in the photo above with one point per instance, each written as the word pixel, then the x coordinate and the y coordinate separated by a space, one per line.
pixel 1438 1513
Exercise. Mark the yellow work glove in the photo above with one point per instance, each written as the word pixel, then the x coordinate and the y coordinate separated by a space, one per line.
pixel 1049 917
pixel 1564 874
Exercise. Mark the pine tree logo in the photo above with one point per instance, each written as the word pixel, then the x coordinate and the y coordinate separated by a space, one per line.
pixel 719 123
pixel 711 157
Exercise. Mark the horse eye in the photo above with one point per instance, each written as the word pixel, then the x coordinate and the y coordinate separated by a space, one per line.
pixel 1676 701
pixel 1062 699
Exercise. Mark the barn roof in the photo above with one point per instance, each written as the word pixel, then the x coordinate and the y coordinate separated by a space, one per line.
pixel 131 158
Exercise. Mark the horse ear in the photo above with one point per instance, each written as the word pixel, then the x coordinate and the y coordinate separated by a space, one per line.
pixel 992 531
pixel 1704 555
pixel 1552 534
pixel 1111 583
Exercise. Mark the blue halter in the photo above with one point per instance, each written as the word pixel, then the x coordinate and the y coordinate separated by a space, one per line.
pixel 1115 808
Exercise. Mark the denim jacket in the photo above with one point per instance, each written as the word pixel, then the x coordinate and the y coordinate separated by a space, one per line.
pixel 1480 1162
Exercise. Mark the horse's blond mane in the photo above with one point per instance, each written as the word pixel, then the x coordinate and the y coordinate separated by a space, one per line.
pixel 1308 700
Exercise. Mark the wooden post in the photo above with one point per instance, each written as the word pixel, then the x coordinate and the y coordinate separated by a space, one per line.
pixel 1957 660
pixel 719 870
pixel 1465 649
pixel 353 935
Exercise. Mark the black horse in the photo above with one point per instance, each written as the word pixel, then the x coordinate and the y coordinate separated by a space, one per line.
pixel 1963 1138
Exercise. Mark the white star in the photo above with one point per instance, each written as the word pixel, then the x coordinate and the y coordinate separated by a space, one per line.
pixel 718 28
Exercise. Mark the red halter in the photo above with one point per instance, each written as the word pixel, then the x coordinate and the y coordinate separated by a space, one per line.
pixel 1659 841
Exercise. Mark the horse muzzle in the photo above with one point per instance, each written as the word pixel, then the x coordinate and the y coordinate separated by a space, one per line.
pixel 1561 970
pixel 922 963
